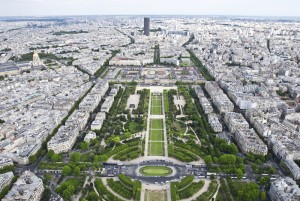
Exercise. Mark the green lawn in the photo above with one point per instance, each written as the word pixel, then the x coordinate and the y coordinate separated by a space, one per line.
pixel 156 105
pixel 156 149
pixel 156 124
pixel 156 135
pixel 156 110
pixel 156 101
pixel 153 171
pixel 156 195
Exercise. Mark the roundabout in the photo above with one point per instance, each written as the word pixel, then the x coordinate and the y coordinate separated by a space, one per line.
pixel 156 171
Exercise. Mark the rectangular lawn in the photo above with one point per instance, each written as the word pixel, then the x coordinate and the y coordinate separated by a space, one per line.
pixel 156 105
pixel 156 110
pixel 156 148
pixel 156 124
pixel 156 135
pixel 156 195
pixel 156 102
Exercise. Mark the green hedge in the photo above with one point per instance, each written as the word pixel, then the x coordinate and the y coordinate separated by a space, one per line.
pixel 126 180
pixel 102 190
pixel 191 190
pixel 212 188
pixel 174 191
pixel 125 152
pixel 120 189
pixel 137 190
pixel 185 181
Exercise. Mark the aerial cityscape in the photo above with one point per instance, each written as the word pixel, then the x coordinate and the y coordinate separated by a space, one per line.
pixel 149 107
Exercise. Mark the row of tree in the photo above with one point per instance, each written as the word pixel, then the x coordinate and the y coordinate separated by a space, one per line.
pixel 203 70
pixel 144 98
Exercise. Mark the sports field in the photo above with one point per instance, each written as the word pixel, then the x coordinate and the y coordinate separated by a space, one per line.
pixel 156 105
pixel 156 195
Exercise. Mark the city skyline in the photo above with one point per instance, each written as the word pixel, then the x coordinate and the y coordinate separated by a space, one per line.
pixel 271 8
pixel 149 100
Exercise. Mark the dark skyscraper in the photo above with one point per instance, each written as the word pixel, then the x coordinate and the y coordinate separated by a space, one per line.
pixel 147 26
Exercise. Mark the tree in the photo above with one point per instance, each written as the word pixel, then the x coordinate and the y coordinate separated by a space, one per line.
pixel 75 157
pixel 248 192
pixel 263 196
pixel 208 159
pixel 50 153
pixel 239 173
pixel 228 159
pixel 239 160
pixel 67 194
pixel 77 171
pixel 116 139
pixel 92 196
pixel 84 146
pixel 228 148
pixel 264 181
pixel 66 171
pixel 48 177
pixel 93 142
pixel 55 158
pixel 271 170
pixel 32 158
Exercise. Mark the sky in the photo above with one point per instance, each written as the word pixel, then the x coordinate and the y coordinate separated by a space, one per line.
pixel 150 7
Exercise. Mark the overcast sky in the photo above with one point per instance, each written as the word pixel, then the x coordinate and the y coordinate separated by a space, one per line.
pixel 150 7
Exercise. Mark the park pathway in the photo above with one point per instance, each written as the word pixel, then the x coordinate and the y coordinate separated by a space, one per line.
pixel 148 127
pixel 164 126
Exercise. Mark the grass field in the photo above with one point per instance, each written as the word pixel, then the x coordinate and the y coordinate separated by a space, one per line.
pixel 153 171
pixel 156 149
pixel 156 124
pixel 156 135
pixel 156 110
pixel 156 195
pixel 156 105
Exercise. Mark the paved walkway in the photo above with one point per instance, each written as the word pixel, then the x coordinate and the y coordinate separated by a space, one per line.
pixel 143 191
pixel 198 140
pixel 148 127
pixel 93 180
pixel 164 127
pixel 215 196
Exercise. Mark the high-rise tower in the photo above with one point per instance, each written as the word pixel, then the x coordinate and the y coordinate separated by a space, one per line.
pixel 147 26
